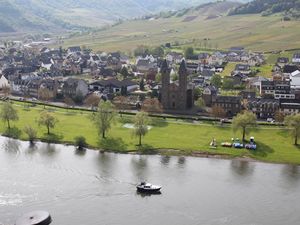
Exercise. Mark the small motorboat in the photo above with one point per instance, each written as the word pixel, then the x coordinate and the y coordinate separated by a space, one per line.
pixel 147 188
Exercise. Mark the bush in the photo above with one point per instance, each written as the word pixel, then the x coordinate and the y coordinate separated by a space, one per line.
pixel 31 133
pixel 80 142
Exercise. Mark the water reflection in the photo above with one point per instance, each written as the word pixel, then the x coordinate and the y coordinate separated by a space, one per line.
pixel 291 173
pixel 80 152
pixel 242 168
pixel 31 149
pixel 206 191
pixel 105 163
pixel 48 149
pixel 181 161
pixel 139 166
pixel 11 145
pixel 165 159
pixel 144 194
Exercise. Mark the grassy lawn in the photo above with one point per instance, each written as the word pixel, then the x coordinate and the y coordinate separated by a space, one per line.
pixel 274 143
pixel 228 69
pixel 265 70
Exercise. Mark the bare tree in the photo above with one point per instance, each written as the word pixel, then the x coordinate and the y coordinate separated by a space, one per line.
pixel 152 105
pixel 6 90
pixel 121 103
pixel 69 102
pixel 44 94
pixel 218 112
pixel 92 101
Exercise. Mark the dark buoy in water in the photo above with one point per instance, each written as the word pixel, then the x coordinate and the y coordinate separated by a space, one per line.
pixel 35 218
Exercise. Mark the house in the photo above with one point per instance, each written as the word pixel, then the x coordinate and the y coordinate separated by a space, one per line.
pixel 209 95
pixel 207 74
pixel 114 86
pixel 144 65
pixel 199 81
pixel 255 82
pixel 205 58
pixel 74 49
pixel 296 58
pixel 233 57
pixel 247 94
pixel 3 82
pixel 174 57
pixel 267 88
pixel 283 60
pixel 243 69
pixel 288 69
pixel 283 90
pixel 263 108
pixel 295 79
pixel 289 107
pixel 230 104
pixel 47 64
pixel 75 87
pixel 192 67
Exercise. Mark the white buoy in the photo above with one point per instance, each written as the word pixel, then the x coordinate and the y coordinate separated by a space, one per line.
pixel 35 218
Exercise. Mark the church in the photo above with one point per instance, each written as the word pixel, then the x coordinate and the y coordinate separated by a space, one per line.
pixel 178 95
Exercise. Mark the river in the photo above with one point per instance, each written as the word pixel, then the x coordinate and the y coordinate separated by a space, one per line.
pixel 93 188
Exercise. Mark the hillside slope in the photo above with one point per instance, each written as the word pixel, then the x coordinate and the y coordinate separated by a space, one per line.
pixel 194 28
pixel 54 15
pixel 267 7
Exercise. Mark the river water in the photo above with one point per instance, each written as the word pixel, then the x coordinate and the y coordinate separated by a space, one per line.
pixel 95 188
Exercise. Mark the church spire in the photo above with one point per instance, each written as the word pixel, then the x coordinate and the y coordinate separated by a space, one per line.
pixel 164 67
pixel 182 68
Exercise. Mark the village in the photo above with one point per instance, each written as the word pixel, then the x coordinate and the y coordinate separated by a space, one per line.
pixel 171 82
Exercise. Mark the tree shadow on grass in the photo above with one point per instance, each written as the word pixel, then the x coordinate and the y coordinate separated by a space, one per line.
pixel 69 113
pixel 13 132
pixel 262 150
pixel 113 144
pixel 284 133
pixel 52 138
pixel 159 123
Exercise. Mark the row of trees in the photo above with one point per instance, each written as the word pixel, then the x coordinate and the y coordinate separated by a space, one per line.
pixel 105 115
pixel 103 118
pixel 8 113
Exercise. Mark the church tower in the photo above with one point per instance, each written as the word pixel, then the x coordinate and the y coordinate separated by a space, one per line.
pixel 165 78
pixel 182 85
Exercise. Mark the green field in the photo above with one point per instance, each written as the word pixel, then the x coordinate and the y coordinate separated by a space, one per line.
pixel 252 31
pixel 274 143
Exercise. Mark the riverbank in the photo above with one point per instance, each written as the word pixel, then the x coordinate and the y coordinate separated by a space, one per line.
pixel 168 137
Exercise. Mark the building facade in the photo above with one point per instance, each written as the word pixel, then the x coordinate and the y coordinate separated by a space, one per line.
pixel 176 95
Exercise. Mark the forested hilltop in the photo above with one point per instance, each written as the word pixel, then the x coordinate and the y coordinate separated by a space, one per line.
pixel 290 8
